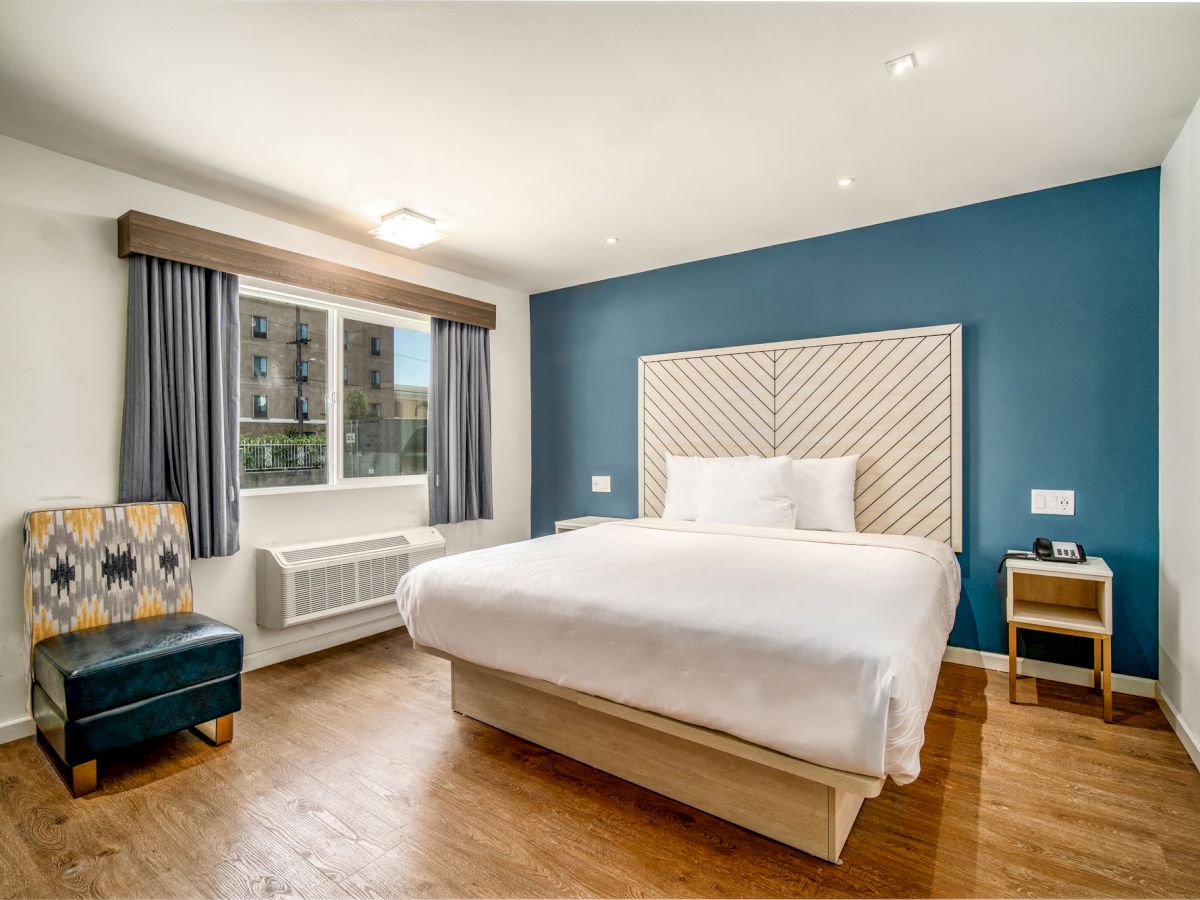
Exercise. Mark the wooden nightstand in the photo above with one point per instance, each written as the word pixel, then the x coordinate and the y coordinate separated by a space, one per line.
pixel 583 522
pixel 1065 598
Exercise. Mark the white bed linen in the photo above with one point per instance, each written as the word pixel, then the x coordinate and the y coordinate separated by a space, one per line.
pixel 822 646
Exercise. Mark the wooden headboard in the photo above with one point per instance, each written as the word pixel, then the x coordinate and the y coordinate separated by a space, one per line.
pixel 895 397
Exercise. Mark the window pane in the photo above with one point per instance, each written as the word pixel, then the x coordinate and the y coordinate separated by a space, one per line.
pixel 282 415
pixel 384 412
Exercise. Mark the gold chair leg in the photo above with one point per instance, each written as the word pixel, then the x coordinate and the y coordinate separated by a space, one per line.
pixel 218 731
pixel 83 778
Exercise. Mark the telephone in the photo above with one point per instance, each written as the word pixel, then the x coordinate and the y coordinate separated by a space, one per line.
pixel 1059 551
pixel 1048 550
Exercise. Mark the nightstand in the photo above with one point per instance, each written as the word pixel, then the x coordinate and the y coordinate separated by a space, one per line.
pixel 583 522
pixel 1064 598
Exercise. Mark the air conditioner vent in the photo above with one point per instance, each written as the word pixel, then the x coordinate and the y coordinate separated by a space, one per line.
pixel 312 581
pixel 344 548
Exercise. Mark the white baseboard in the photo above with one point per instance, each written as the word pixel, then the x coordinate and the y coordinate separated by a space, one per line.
pixel 981 659
pixel 15 729
pixel 271 655
pixel 1187 737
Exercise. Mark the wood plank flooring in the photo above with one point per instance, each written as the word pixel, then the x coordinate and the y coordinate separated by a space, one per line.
pixel 349 776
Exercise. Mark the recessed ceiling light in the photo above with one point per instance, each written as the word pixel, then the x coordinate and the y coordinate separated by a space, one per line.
pixel 901 65
pixel 845 182
pixel 409 229
pixel 612 241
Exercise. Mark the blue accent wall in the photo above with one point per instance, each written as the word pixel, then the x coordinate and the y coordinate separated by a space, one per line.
pixel 1058 294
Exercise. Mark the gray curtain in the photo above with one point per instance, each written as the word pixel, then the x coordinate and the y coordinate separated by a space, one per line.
pixel 180 432
pixel 459 445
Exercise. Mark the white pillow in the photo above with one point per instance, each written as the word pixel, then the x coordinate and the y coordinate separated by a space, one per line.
pixel 680 501
pixel 823 491
pixel 747 491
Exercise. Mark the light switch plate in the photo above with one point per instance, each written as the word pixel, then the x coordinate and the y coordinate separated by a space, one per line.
pixel 1052 503
pixel 601 484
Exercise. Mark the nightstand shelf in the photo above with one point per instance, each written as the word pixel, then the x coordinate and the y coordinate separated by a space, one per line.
pixel 1063 598
pixel 1031 613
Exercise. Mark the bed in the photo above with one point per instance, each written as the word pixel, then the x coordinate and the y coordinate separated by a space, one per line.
pixel 771 676
pixel 815 647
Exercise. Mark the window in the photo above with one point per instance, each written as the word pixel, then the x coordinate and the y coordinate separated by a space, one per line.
pixel 385 433
pixel 306 440
pixel 287 446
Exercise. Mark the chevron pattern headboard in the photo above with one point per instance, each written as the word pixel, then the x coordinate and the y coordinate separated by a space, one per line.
pixel 895 397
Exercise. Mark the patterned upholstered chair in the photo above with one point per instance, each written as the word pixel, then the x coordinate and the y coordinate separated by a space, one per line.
pixel 117 655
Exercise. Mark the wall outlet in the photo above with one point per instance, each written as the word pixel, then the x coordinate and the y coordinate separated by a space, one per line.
pixel 1052 503
pixel 601 484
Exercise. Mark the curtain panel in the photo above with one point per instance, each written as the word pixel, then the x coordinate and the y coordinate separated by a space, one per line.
pixel 460 423
pixel 179 437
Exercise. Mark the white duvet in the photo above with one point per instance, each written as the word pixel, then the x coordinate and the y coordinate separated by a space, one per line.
pixel 822 646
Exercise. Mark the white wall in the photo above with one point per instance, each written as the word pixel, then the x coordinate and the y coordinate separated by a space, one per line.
pixel 62 352
pixel 1179 435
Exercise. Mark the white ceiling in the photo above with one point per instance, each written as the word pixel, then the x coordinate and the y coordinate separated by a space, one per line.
pixel 536 130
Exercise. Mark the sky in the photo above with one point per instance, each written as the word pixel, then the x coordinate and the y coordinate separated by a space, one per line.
pixel 411 349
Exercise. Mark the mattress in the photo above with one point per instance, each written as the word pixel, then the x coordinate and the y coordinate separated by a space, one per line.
pixel 822 646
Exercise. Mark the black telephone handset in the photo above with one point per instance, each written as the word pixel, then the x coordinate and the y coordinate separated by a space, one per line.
pixel 1059 551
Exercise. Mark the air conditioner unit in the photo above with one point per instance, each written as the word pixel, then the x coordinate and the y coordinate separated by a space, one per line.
pixel 305 582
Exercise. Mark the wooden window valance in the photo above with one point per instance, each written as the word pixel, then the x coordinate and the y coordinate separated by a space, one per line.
pixel 139 232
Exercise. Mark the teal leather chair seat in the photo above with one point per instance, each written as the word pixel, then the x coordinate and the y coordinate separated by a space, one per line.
pixel 98 669
pixel 104 688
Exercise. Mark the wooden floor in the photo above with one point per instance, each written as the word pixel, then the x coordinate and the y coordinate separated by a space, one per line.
pixel 349 776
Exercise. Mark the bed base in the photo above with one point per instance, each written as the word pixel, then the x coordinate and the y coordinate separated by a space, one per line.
pixel 803 805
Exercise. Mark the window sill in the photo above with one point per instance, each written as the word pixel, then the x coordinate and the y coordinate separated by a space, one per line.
pixel 353 484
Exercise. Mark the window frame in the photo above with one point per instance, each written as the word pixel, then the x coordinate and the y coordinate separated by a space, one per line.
pixel 337 311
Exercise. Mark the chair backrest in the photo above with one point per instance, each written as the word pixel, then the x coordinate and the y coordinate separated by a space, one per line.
pixel 101 564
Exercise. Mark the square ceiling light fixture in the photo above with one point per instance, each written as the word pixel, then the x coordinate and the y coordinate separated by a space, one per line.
pixel 409 229
pixel 901 65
